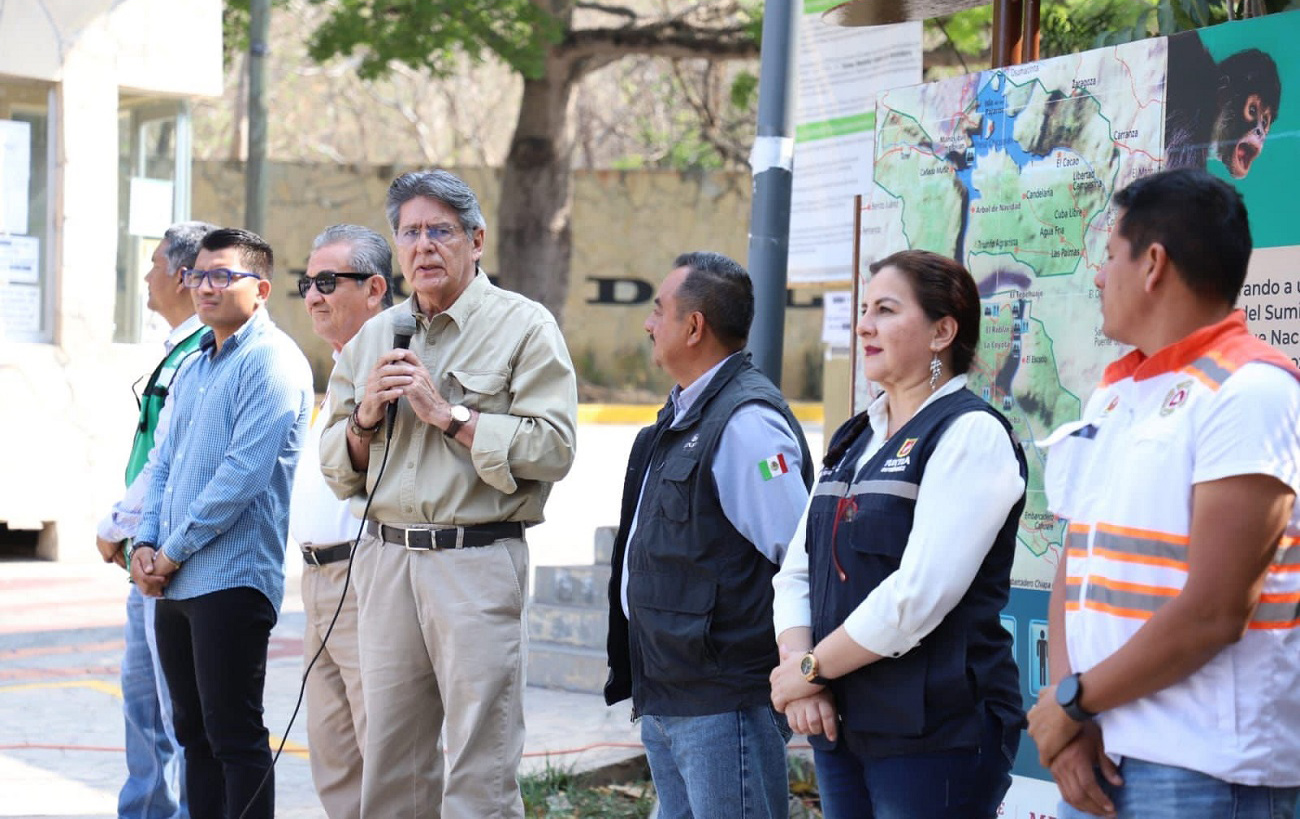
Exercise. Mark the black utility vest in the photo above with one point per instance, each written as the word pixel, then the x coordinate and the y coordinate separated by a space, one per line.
pixel 701 639
pixel 932 698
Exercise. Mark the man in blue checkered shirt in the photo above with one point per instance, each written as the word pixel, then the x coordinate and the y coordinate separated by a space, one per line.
pixel 212 537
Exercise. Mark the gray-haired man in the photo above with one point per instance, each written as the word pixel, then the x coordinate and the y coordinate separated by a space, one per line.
pixel 485 425
pixel 348 281
pixel 153 758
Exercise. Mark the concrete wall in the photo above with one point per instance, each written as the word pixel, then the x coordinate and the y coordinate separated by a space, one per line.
pixel 627 226
pixel 151 46
pixel 66 406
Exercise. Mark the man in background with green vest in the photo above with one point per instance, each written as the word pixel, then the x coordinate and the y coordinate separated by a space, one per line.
pixel 153 786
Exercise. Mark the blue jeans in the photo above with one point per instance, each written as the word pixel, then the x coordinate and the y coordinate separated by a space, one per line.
pixel 154 786
pixel 1154 791
pixel 730 764
pixel 942 785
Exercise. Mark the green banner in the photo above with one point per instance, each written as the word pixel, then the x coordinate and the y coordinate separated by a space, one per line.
pixel 840 126
pixel 820 6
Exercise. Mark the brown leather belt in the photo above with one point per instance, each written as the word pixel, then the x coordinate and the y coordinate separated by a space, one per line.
pixel 453 537
pixel 323 555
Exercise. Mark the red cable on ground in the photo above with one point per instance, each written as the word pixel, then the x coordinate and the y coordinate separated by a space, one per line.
pixel 802 746
pixel 31 746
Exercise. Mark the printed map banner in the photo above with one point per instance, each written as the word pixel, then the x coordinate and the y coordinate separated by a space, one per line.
pixel 1013 172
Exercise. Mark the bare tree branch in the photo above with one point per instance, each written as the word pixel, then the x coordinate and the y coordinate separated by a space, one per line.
pixel 706 101
pixel 617 11
pixel 589 49
pixel 938 21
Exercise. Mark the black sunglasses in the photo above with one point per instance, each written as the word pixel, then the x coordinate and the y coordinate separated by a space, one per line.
pixel 326 281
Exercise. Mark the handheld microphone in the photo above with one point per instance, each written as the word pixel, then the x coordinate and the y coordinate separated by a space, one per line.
pixel 403 328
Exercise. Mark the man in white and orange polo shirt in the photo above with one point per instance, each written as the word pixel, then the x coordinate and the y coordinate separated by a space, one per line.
pixel 1175 615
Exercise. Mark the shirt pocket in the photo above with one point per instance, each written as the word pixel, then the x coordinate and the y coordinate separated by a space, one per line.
pixel 675 493
pixel 673 615
pixel 483 390
pixel 879 527
pixel 1154 452
pixel 1070 451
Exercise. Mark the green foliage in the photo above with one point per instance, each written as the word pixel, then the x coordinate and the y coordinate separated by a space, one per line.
pixel 1071 26
pixel 1163 17
pixel 550 780
pixel 744 88
pixel 744 91
pixel 234 27
pixel 967 31
pixel 692 153
pixel 557 793
pixel 803 777
pixel 687 153
pixel 751 14
pixel 702 124
pixel 1076 25
pixel 433 33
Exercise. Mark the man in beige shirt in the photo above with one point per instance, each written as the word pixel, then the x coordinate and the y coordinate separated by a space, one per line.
pixel 486 412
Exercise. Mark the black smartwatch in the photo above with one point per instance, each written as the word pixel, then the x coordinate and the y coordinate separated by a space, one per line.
pixel 1068 693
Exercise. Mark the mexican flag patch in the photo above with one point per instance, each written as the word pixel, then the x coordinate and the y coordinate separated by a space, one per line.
pixel 772 467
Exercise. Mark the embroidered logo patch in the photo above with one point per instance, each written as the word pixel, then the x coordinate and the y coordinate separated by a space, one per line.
pixel 772 467
pixel 906 448
pixel 1114 402
pixel 695 439
pixel 1176 397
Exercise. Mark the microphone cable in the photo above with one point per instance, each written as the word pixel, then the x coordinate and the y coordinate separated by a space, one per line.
pixel 347 580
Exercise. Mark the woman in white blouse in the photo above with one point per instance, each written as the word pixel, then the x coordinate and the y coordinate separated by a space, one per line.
pixel 894 660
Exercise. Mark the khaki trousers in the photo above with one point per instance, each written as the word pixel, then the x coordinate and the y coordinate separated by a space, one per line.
pixel 443 648
pixel 336 717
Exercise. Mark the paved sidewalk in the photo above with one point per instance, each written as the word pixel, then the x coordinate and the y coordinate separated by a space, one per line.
pixel 61 644
pixel 61 725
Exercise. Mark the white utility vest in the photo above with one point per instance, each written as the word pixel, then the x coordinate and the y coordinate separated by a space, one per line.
pixel 1218 403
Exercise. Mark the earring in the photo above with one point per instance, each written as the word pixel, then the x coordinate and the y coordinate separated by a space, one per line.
pixel 936 369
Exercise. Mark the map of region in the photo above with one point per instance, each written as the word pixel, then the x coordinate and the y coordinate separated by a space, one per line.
pixel 1012 172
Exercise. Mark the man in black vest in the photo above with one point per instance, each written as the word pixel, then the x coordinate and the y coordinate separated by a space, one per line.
pixel 713 492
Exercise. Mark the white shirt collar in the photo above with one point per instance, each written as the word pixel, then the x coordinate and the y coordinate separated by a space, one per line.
pixel 878 410
pixel 182 331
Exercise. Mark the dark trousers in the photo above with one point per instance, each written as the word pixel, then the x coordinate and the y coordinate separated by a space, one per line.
pixel 942 785
pixel 213 653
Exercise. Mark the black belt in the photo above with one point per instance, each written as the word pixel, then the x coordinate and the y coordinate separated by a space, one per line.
pixel 326 554
pixel 453 537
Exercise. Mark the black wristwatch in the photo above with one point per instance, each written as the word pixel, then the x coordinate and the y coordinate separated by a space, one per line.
pixel 1068 693
pixel 460 415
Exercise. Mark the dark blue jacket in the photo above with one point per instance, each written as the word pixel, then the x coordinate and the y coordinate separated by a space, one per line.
pixel 934 697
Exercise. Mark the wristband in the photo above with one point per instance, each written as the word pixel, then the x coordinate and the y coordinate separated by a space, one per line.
pixel 354 425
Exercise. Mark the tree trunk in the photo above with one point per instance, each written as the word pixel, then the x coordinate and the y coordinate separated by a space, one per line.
pixel 535 241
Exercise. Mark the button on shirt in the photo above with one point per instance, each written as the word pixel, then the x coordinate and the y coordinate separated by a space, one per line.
pixel 763 511
pixel 123 521
pixel 218 503
pixel 493 351
pixel 970 484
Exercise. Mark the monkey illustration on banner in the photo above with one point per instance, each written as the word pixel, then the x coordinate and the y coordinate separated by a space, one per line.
pixel 1222 109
